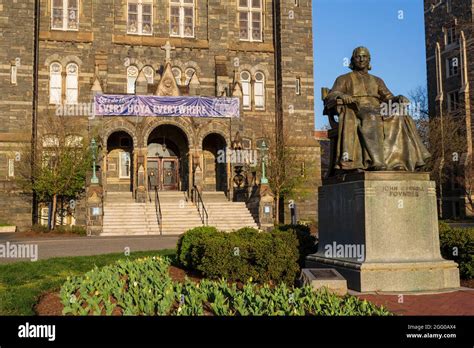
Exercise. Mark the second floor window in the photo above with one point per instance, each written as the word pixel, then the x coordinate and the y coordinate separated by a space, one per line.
pixel 65 14
pixel 140 17
pixel 55 83
pixel 182 18
pixel 246 90
pixel 250 20
pixel 259 91
pixel 132 75
pixel 72 88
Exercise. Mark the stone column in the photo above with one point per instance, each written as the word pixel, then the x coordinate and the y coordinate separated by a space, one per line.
pixel 140 183
pixel 265 211
pixel 95 209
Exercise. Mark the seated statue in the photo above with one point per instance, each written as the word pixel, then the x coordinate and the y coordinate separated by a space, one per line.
pixel 369 137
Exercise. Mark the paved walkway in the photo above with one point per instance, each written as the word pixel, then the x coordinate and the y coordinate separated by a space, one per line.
pixel 452 303
pixel 86 246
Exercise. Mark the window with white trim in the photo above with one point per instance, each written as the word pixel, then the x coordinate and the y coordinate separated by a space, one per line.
pixel 451 35
pixel 72 83
pixel 259 91
pixel 298 86
pixel 55 83
pixel 65 14
pixel 177 73
pixel 246 90
pixel 140 17
pixel 132 75
pixel 182 18
pixel 250 20
pixel 149 74
pixel 124 165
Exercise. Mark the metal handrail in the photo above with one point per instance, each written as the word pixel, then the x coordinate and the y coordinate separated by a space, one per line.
pixel 197 199
pixel 159 215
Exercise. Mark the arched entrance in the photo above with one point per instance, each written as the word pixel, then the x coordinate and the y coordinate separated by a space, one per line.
pixel 167 159
pixel 120 174
pixel 214 164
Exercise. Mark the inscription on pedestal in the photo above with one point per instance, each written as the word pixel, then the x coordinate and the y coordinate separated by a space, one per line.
pixel 402 191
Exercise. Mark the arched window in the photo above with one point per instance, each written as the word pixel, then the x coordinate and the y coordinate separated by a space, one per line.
pixel 189 73
pixel 132 75
pixel 72 83
pixel 177 73
pixel 149 74
pixel 55 83
pixel 246 90
pixel 259 91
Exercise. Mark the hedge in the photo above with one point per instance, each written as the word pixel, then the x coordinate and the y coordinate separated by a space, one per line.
pixel 457 244
pixel 242 255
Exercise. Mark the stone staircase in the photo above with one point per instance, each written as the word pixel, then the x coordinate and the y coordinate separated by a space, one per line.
pixel 124 217
pixel 225 215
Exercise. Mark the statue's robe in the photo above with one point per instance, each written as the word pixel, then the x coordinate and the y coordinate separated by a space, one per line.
pixel 366 137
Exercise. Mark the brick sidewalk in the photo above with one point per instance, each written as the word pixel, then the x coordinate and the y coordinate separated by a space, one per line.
pixel 453 303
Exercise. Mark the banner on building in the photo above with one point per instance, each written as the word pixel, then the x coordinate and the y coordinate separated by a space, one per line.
pixel 135 105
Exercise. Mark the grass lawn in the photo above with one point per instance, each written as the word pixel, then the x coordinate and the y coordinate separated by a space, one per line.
pixel 22 283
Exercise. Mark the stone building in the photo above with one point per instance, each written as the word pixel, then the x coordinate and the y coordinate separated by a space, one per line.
pixel 163 57
pixel 450 67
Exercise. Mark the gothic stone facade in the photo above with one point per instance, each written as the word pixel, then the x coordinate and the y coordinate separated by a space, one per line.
pixel 450 67
pixel 98 41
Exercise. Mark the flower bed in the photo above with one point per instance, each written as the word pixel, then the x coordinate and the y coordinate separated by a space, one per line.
pixel 144 287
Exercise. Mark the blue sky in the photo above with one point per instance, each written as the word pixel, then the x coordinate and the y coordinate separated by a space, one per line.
pixel 393 30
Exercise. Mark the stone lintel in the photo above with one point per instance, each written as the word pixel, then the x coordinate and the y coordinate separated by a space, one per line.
pixel 159 41
pixel 74 36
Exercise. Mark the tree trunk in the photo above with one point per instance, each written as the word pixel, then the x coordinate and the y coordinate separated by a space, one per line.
pixel 53 213
pixel 277 207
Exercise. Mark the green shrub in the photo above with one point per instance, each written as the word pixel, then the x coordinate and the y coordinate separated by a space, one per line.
pixel 190 240
pixel 144 287
pixel 457 244
pixel 306 242
pixel 80 230
pixel 241 255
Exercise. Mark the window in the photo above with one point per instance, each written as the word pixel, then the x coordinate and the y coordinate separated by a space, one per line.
pixel 55 83
pixel 246 92
pixel 451 35
pixel 452 65
pixel 72 84
pixel 124 163
pixel 177 73
pixel 259 91
pixel 298 86
pixel 149 74
pixel 182 18
pixel 189 73
pixel 65 14
pixel 453 101
pixel 140 17
pixel 448 6
pixel 132 75
pixel 250 20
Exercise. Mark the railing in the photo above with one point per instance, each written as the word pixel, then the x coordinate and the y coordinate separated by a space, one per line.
pixel 197 199
pixel 159 215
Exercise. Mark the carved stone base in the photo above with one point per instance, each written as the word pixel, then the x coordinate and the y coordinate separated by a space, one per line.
pixel 380 231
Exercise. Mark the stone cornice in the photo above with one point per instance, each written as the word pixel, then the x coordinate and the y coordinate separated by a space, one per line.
pixel 72 36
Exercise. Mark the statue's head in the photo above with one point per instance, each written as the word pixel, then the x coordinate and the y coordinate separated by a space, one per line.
pixel 360 59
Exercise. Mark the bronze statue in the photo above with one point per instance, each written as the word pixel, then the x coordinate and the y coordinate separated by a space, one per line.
pixel 369 137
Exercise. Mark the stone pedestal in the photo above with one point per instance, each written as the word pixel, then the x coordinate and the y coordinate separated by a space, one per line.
pixel 380 231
